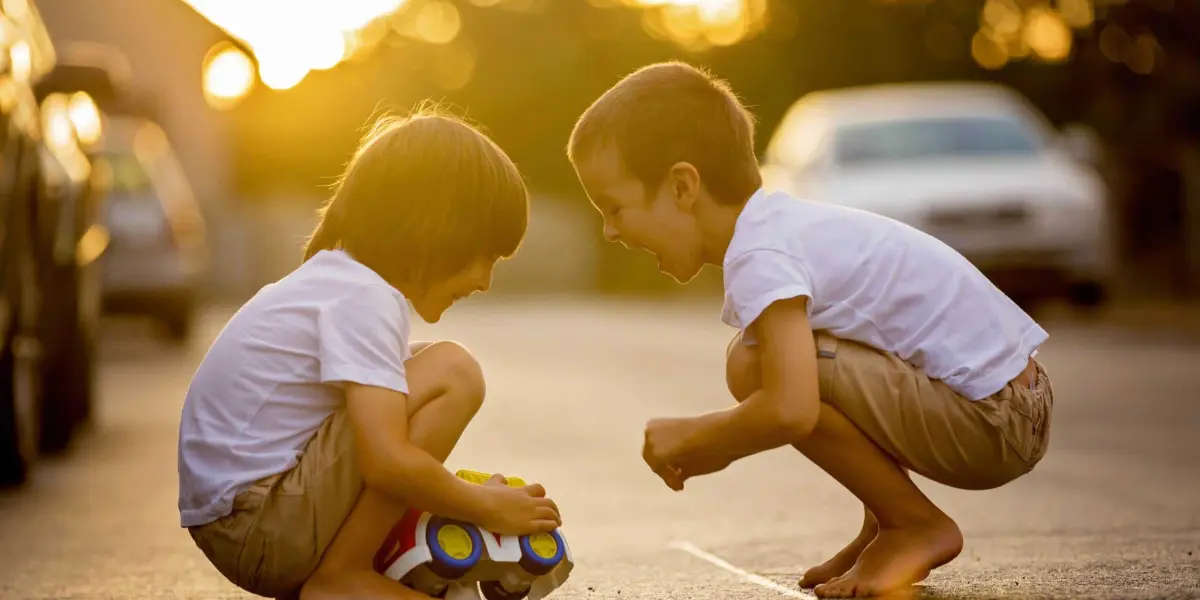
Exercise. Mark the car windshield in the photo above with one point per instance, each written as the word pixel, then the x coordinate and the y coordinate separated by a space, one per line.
pixel 932 138
pixel 128 176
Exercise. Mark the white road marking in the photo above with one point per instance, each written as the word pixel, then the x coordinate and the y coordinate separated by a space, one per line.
pixel 751 577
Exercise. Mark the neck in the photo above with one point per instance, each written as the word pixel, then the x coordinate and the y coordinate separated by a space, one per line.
pixel 717 222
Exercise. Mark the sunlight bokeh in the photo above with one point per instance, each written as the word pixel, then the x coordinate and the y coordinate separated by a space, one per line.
pixel 438 22
pixel 85 117
pixel 56 121
pixel 699 24
pixel 20 61
pixel 228 75
pixel 289 39
pixel 62 137
pixel 1042 31
pixel 1048 35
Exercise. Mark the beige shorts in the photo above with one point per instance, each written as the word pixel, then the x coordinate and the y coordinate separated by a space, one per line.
pixel 929 428
pixel 279 528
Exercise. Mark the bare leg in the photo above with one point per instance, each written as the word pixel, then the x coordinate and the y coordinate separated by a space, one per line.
pixel 912 535
pixel 446 389
pixel 743 377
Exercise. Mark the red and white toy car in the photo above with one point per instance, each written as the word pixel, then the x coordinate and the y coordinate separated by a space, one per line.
pixel 440 557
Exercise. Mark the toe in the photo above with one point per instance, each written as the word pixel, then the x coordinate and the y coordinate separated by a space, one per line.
pixel 810 579
pixel 834 588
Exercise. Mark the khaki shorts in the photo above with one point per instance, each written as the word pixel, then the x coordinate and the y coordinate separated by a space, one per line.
pixel 279 528
pixel 929 428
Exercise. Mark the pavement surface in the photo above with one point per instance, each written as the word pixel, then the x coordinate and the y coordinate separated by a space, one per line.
pixel 1112 512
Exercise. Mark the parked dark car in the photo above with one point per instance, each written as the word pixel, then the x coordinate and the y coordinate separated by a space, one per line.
pixel 50 245
pixel 159 251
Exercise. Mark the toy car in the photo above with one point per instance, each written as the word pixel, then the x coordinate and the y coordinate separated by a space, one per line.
pixel 438 556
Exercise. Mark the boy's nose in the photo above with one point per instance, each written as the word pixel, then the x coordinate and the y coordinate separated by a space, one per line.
pixel 610 233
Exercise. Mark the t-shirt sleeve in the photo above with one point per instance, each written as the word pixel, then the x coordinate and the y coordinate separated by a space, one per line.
pixel 758 278
pixel 364 340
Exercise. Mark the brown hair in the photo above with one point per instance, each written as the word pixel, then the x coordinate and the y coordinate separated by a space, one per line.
pixel 670 112
pixel 424 197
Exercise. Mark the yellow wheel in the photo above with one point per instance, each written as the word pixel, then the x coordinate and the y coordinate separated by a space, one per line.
pixel 541 552
pixel 455 541
pixel 543 545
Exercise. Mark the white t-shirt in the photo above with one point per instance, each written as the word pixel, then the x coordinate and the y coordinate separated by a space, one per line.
pixel 877 281
pixel 272 376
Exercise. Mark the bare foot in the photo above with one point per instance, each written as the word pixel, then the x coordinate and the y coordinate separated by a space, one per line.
pixel 844 559
pixel 896 558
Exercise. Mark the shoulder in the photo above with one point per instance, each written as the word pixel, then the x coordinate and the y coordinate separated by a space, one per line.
pixel 770 231
pixel 368 303
pixel 342 294
pixel 765 260
pixel 381 297
pixel 333 280
pixel 770 223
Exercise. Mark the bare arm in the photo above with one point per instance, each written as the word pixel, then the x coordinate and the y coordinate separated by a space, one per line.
pixel 389 462
pixel 393 465
pixel 782 412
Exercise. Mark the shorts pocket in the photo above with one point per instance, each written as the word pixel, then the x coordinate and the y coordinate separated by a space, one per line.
pixel 1021 415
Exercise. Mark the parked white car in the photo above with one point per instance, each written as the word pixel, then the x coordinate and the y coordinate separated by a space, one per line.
pixel 976 165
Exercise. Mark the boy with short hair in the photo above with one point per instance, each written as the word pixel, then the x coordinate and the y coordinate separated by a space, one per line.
pixel 871 347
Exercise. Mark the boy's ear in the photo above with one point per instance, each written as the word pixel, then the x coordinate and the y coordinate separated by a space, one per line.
pixel 684 180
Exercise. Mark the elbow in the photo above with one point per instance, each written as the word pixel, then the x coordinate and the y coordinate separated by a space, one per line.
pixel 382 471
pixel 373 474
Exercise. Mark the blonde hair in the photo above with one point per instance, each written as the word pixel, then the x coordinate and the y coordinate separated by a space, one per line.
pixel 423 197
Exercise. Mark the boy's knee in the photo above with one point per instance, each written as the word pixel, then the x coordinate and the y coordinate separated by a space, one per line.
pixel 463 374
pixel 742 374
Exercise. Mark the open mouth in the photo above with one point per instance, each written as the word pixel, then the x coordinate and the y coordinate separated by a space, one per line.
pixel 654 254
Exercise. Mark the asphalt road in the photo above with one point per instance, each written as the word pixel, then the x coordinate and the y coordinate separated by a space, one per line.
pixel 1113 511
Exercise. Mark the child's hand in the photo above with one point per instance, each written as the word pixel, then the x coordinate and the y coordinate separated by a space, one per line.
pixel 663 449
pixel 670 453
pixel 518 511
pixel 702 466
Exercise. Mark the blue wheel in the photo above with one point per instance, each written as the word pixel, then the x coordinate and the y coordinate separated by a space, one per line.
pixel 456 547
pixel 541 552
